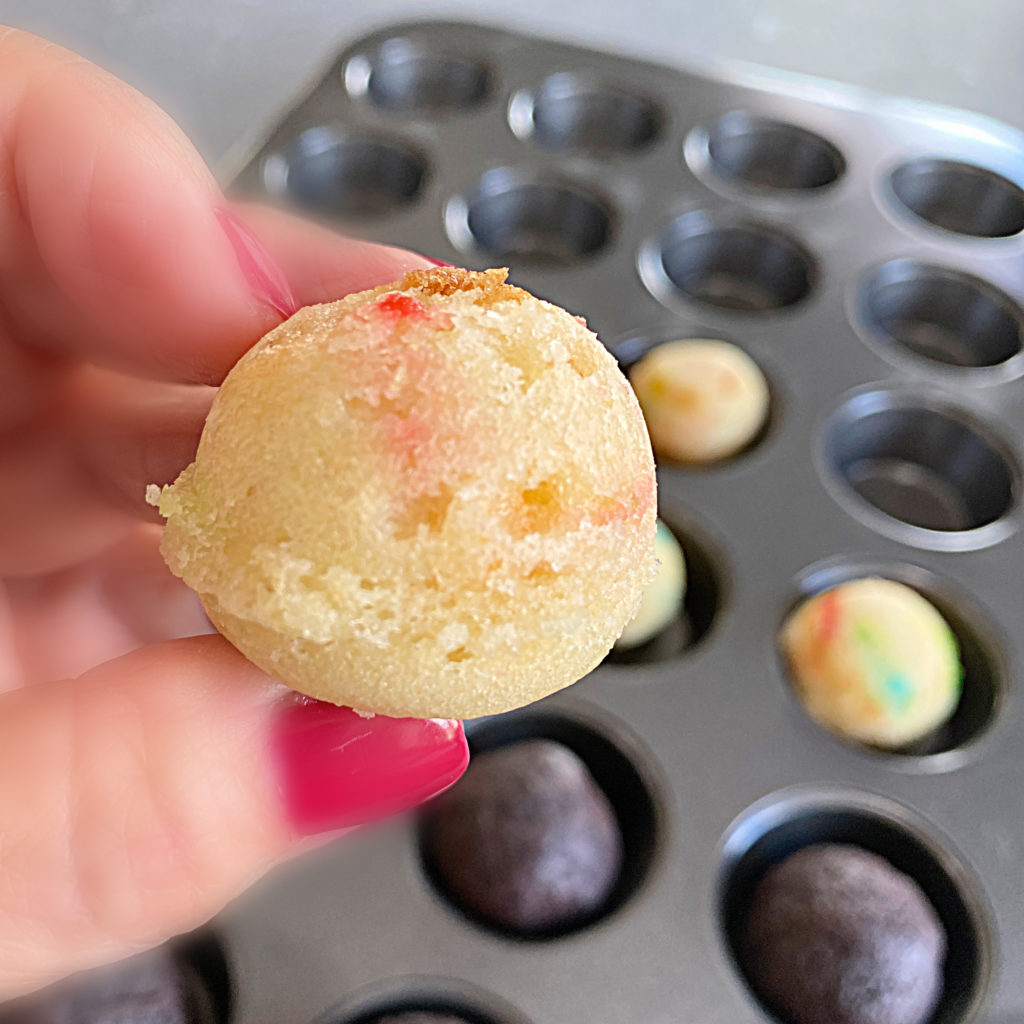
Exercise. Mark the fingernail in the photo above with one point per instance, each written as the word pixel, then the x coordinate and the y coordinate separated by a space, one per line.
pixel 265 277
pixel 339 769
pixel 438 263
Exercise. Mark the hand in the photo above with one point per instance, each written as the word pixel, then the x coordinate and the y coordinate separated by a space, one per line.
pixel 140 796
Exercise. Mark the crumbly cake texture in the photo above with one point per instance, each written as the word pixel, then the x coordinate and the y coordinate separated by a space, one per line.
pixel 874 661
pixel 435 498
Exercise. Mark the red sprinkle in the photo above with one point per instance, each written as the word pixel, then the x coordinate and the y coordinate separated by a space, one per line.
pixel 829 621
pixel 402 307
pixel 409 433
pixel 631 502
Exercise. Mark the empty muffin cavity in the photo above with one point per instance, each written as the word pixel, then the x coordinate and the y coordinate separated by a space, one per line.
pixel 703 599
pixel 743 266
pixel 982 657
pixel 524 220
pixel 404 77
pixel 960 197
pixel 773 829
pixel 941 314
pixel 201 959
pixel 422 1000
pixel 346 174
pixel 748 150
pixel 424 1009
pixel 573 112
pixel 922 469
pixel 432 1012
pixel 605 868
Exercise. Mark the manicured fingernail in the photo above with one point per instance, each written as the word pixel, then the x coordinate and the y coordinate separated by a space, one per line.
pixel 438 263
pixel 265 277
pixel 340 769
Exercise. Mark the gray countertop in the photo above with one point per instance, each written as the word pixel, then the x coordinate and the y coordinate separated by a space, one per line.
pixel 224 67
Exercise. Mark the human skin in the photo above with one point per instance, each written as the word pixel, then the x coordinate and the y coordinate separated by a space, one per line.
pixel 148 772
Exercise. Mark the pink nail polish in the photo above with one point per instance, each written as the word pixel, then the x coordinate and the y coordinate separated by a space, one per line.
pixel 438 263
pixel 265 277
pixel 339 769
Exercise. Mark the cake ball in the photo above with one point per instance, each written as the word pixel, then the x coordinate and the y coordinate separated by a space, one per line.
pixel 662 598
pixel 703 400
pixel 836 935
pixel 146 989
pixel 526 841
pixel 874 661
pixel 432 499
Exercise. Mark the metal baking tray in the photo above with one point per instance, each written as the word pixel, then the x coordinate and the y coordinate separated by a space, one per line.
pixel 868 253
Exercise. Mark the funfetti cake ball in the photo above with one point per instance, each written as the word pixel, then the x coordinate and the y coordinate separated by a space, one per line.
pixel 704 400
pixel 434 499
pixel 663 597
pixel 874 661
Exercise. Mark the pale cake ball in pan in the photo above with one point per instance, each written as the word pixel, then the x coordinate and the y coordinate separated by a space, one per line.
pixel 874 661
pixel 435 498
pixel 663 597
pixel 704 400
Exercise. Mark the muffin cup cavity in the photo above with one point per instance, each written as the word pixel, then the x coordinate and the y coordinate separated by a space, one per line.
pixel 526 220
pixel 743 266
pixel 779 825
pixel 960 197
pixel 346 174
pixel 702 600
pixel 442 997
pixel 200 957
pixel 921 469
pixel 982 656
pixel 742 149
pixel 941 315
pixel 618 774
pixel 576 113
pixel 403 77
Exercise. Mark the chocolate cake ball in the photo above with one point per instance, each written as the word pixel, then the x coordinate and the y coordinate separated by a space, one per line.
pixel 526 840
pixel 836 935
pixel 147 989
pixel 874 661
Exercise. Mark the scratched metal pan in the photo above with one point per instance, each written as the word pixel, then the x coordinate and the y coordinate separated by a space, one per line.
pixel 868 254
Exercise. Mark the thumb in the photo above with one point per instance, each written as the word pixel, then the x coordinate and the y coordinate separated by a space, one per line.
pixel 118 253
pixel 141 797
pixel 119 247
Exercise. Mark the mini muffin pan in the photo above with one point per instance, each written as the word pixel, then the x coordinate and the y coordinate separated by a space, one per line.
pixel 869 255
